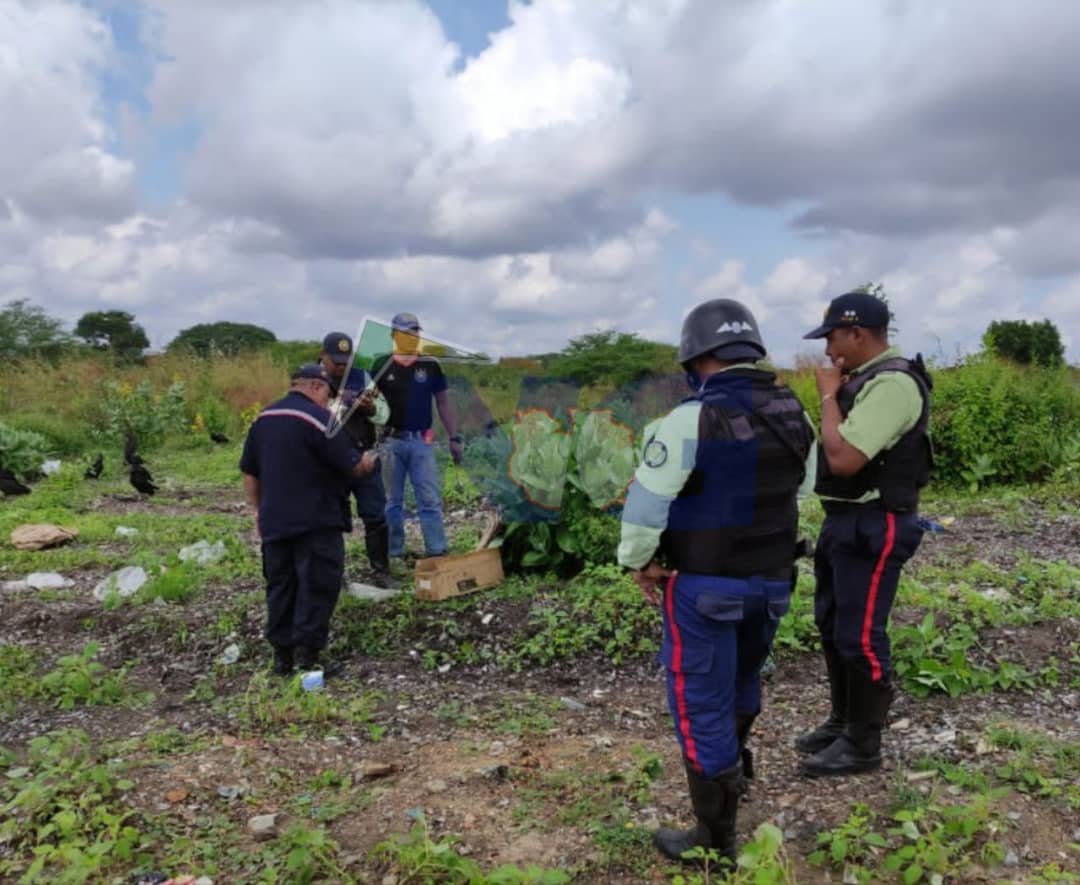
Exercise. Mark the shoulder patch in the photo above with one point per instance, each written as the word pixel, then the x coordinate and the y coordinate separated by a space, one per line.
pixel 655 453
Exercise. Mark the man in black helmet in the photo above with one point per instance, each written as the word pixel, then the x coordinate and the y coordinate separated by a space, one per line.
pixel 709 531
pixel 874 457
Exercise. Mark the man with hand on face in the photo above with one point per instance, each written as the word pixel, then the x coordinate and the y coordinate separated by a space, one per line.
pixel 295 480
pixel 874 457
pixel 371 411
pixel 410 382
pixel 709 533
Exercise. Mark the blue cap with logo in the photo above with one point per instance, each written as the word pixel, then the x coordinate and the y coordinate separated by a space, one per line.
pixel 311 372
pixel 853 309
pixel 337 346
pixel 405 322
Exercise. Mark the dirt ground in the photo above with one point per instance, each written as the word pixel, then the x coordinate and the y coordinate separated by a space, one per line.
pixel 501 760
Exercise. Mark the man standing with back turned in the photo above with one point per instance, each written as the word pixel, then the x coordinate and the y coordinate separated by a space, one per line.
pixel 874 457
pixel 715 499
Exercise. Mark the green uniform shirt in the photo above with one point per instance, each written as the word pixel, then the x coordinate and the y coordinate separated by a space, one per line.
pixel 886 408
pixel 668 456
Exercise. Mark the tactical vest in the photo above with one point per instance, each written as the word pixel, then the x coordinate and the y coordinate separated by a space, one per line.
pixel 897 473
pixel 737 515
pixel 360 429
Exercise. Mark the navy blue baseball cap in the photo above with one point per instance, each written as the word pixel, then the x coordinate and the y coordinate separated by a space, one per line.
pixel 311 372
pixel 405 322
pixel 853 309
pixel 338 346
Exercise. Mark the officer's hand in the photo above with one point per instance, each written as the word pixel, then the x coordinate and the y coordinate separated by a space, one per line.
pixel 366 464
pixel 648 580
pixel 829 379
pixel 365 403
pixel 456 450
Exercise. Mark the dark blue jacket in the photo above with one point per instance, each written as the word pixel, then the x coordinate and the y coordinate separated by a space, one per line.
pixel 303 474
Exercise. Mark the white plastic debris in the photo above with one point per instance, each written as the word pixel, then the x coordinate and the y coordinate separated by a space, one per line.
pixel 370 591
pixel 231 654
pixel 126 531
pixel 50 467
pixel 47 581
pixel 14 585
pixel 124 582
pixel 203 552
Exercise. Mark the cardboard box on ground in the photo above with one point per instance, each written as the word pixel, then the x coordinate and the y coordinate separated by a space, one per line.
pixel 444 576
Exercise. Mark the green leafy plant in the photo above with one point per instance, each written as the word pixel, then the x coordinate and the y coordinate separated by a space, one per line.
pixel 22 451
pixel 81 679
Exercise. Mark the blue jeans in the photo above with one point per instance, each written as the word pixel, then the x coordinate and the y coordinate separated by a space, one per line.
pixel 415 458
pixel 717 634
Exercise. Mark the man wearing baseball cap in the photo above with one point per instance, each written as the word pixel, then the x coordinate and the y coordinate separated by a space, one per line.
pixel 873 458
pixel 294 480
pixel 356 387
pixel 410 381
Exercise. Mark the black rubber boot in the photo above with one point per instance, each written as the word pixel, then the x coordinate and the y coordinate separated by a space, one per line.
pixel 858 749
pixel 743 723
pixel 716 803
pixel 283 660
pixel 821 737
pixel 377 545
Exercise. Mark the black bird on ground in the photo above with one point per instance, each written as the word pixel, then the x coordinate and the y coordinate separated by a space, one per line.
pixel 219 438
pixel 94 470
pixel 132 457
pixel 10 485
pixel 141 479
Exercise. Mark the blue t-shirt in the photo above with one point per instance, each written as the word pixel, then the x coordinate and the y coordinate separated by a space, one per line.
pixel 409 389
pixel 303 474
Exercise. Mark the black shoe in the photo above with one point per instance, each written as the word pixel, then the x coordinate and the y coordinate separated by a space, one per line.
pixel 283 660
pixel 307 658
pixel 842 757
pixel 383 579
pixel 743 723
pixel 716 802
pixel 822 737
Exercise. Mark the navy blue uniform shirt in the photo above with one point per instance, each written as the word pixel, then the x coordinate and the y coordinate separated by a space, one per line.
pixel 409 389
pixel 302 474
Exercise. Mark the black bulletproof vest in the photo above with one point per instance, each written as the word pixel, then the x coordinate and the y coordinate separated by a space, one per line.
pixel 897 473
pixel 737 514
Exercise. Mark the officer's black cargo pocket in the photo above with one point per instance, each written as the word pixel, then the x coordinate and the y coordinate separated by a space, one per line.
pixel 692 658
pixel 720 607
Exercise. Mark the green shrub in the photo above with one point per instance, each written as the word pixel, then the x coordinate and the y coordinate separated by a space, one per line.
pixel 124 409
pixel 21 451
pixel 62 435
pixel 994 419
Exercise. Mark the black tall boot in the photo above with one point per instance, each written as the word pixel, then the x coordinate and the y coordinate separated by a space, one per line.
pixel 377 545
pixel 859 747
pixel 743 723
pixel 821 737
pixel 283 660
pixel 716 803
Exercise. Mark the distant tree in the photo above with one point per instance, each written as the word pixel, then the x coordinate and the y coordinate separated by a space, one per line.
pixel 113 330
pixel 226 338
pixel 26 330
pixel 614 357
pixel 1025 343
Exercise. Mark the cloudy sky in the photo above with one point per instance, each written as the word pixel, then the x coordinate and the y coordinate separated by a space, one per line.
pixel 521 173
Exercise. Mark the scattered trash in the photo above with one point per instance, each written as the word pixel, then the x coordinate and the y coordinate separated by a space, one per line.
pixel 126 531
pixel 50 467
pixel 203 552
pixel 38 536
pixel 370 591
pixel 231 791
pixel 47 581
pixel 231 654
pixel 930 525
pixel 14 585
pixel 948 521
pixel 124 582
pixel 263 826
pixel 571 704
pixel 312 680
pixel 486 619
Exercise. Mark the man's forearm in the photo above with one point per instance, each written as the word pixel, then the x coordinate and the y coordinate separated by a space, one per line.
pixel 252 490
pixel 446 413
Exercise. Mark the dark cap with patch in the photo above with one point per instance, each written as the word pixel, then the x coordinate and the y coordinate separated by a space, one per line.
pixel 311 372
pixel 338 346
pixel 853 309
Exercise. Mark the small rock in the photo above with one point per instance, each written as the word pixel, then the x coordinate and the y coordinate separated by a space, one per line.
pixel 263 826
pixel 497 748
pixel 372 770
pixel 487 619
pixel 945 736
pixel 230 791
pixel 47 581
pixel 389 879
pixel 203 552
pixel 369 591
pixel 571 704
pixel 1011 858
pixel 204 880
pixel 901 724
pixel 468 822
pixel 231 654
pixel 436 786
pixel 1013 815
pixel 124 582
pixel 983 747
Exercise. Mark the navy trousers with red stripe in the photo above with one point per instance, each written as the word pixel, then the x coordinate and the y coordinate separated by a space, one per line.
pixel 857 565
pixel 717 634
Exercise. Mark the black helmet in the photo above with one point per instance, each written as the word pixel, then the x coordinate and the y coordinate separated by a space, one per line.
pixel 723 328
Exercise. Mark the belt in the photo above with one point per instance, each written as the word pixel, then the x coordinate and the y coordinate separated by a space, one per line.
pixel 407 434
